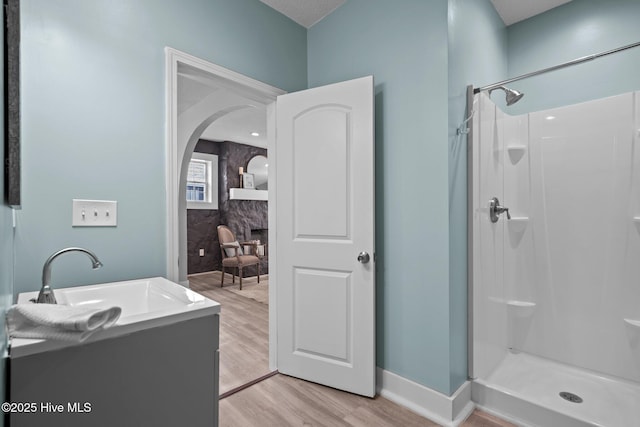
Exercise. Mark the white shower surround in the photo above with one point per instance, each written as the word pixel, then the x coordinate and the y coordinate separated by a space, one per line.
pixel 559 279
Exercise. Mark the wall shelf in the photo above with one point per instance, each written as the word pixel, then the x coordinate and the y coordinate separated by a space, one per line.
pixel 636 221
pixel 517 224
pixel 516 152
pixel 633 323
pixel 521 309
pixel 633 333
pixel 248 194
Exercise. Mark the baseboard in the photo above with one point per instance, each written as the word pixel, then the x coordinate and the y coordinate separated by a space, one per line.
pixel 202 273
pixel 449 411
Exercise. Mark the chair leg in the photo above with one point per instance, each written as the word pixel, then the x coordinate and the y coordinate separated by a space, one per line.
pixel 222 278
pixel 258 272
pixel 233 271
pixel 240 268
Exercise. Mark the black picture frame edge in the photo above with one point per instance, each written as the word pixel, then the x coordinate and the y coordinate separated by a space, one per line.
pixel 12 117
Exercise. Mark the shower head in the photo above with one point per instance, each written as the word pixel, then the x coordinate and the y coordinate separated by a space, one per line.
pixel 511 95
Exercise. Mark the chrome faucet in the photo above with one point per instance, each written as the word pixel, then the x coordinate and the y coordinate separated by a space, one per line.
pixel 46 295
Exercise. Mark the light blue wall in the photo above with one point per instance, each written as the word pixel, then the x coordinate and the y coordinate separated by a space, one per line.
pixel 93 111
pixel 477 56
pixel 93 127
pixel 6 246
pixel 576 29
pixel 404 45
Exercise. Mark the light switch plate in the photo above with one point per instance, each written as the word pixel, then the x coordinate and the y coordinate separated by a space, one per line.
pixel 94 213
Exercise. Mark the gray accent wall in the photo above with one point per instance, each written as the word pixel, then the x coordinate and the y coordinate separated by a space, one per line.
pixel 242 216
pixel 202 223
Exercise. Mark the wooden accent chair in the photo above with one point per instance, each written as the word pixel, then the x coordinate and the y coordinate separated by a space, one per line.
pixel 233 256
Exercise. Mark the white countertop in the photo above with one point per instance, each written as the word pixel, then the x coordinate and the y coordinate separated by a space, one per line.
pixel 145 303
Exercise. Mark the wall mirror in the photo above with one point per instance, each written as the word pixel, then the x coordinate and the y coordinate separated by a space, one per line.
pixel 259 167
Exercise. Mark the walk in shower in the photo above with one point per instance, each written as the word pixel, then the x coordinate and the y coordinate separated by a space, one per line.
pixel 555 289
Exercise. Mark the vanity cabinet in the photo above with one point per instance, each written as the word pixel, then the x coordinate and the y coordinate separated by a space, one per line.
pixel 164 376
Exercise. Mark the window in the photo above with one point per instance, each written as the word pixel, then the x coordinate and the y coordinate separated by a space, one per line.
pixel 202 182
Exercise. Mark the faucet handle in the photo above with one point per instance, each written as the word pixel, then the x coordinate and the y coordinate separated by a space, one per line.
pixel 503 209
pixel 495 209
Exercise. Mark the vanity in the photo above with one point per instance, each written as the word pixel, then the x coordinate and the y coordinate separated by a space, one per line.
pixel 157 366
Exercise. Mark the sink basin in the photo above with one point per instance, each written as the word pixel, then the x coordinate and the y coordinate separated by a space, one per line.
pixel 137 298
pixel 145 303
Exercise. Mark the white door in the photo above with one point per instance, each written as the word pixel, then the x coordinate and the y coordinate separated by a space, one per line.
pixel 325 219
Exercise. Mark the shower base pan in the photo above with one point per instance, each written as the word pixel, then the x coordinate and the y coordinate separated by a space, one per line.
pixel 526 390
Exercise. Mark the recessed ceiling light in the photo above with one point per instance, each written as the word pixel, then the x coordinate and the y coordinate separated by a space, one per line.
pixel 255 134
pixel 550 117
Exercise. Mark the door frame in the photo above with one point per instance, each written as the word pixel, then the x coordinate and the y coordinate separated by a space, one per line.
pixel 249 88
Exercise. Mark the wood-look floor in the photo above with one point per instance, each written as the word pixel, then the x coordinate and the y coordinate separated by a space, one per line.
pixel 244 331
pixel 286 401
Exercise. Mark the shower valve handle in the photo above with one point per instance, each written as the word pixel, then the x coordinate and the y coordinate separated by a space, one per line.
pixel 495 209
pixel 502 209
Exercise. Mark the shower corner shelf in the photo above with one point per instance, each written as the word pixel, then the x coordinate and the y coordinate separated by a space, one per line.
pixel 521 309
pixel 516 152
pixel 633 332
pixel 633 323
pixel 517 224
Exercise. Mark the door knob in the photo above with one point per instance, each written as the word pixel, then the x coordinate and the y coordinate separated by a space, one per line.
pixel 363 257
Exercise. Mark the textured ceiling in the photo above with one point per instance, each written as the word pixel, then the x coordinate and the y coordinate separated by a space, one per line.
pixel 512 11
pixel 305 12
pixel 309 12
